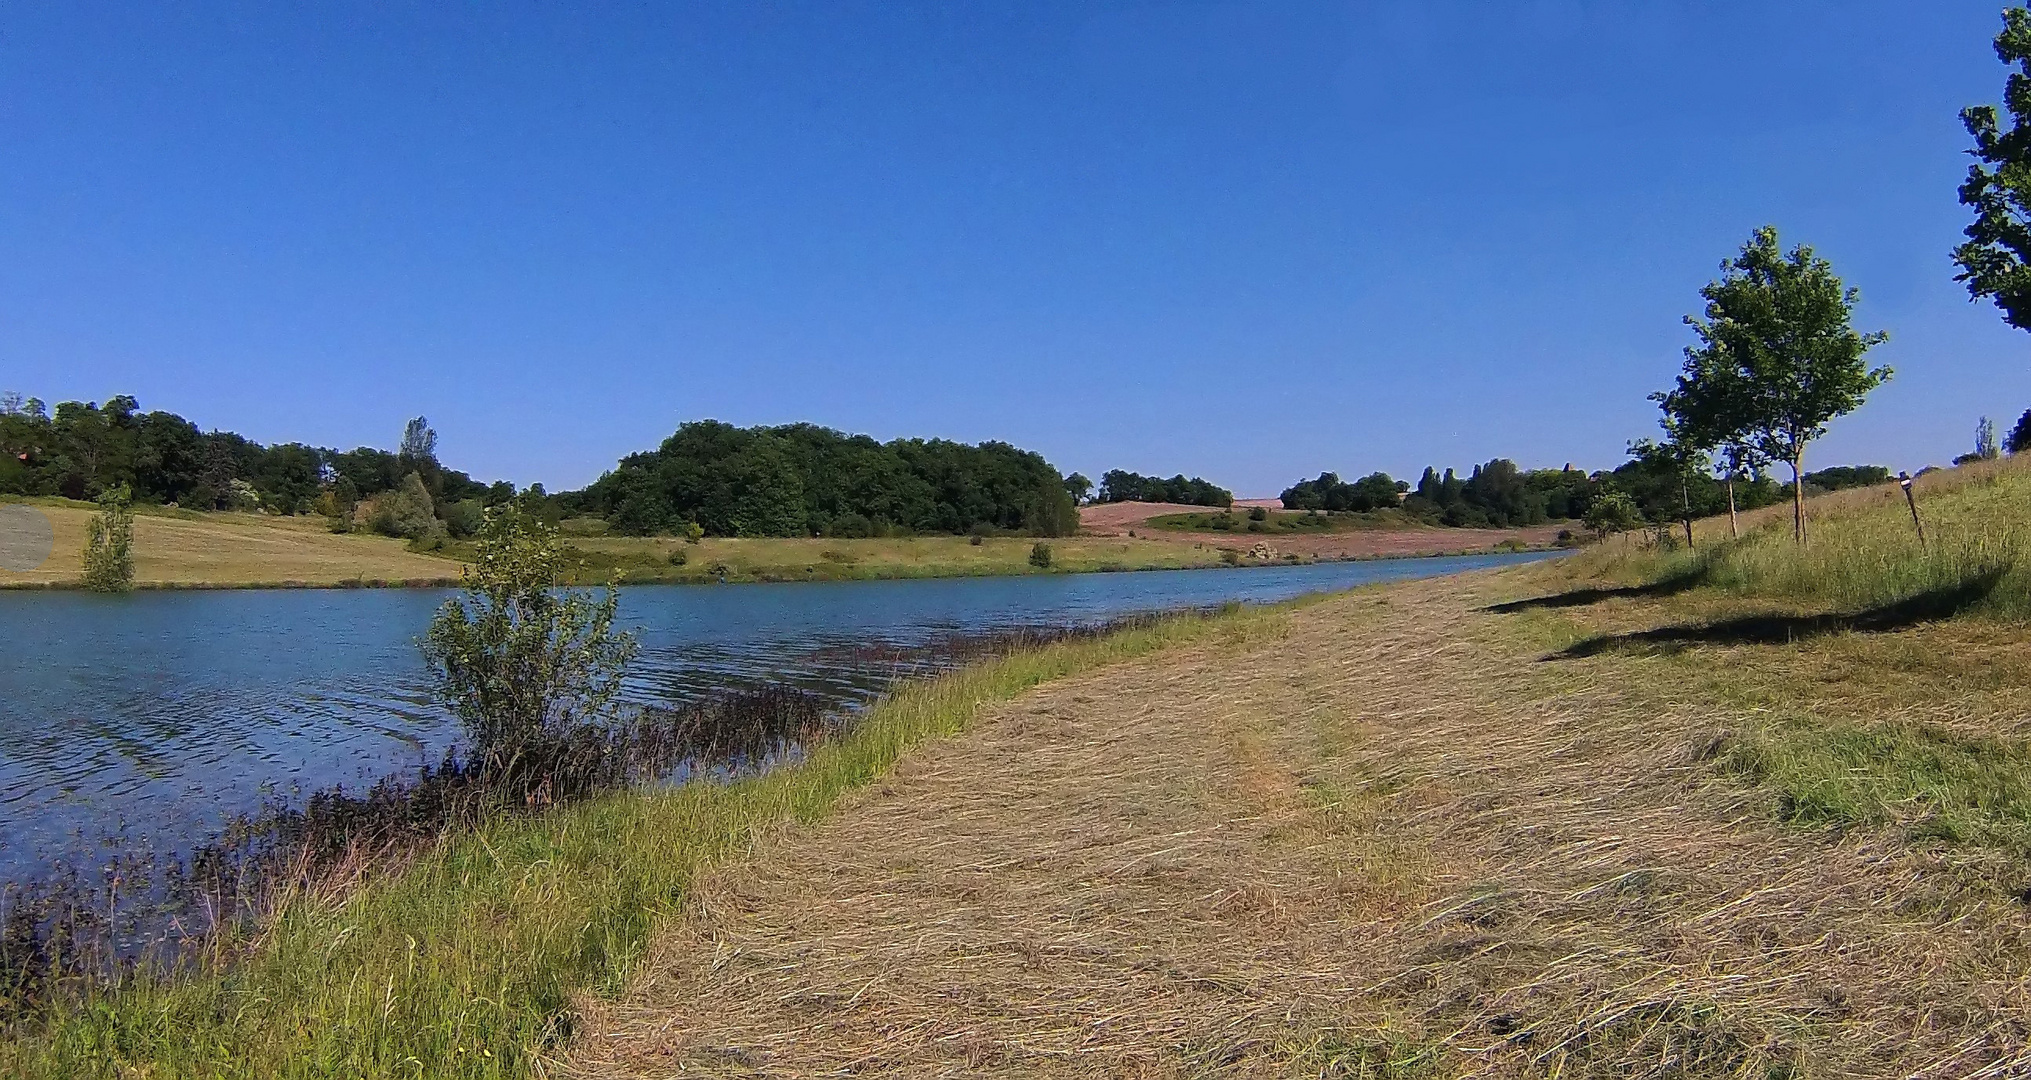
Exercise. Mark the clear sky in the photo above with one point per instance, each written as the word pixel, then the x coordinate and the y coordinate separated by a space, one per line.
pixel 1248 241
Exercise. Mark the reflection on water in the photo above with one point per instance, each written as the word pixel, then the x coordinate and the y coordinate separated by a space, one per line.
pixel 152 717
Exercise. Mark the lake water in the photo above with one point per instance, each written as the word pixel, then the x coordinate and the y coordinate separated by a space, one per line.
pixel 148 718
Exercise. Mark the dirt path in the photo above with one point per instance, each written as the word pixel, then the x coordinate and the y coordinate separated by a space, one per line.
pixel 1391 843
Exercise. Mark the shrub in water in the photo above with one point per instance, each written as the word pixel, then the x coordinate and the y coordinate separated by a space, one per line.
pixel 528 669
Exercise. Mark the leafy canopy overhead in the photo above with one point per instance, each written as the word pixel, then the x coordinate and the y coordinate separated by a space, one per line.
pixel 1993 261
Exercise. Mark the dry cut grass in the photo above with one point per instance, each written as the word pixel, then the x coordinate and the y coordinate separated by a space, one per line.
pixel 233 550
pixel 1395 841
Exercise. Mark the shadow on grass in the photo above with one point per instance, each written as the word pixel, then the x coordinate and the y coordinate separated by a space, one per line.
pixel 1667 586
pixel 1929 606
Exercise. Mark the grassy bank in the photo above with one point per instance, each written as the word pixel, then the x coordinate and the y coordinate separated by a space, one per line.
pixel 467 962
pixel 1861 679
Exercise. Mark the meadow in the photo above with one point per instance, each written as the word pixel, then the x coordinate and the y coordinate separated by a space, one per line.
pixel 185 549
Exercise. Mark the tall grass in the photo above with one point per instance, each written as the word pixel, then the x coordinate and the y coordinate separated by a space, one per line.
pixel 465 963
pixel 1863 550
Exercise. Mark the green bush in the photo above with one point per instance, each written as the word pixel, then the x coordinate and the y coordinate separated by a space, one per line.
pixel 1257 513
pixel 464 518
pixel 109 544
pixel 850 526
pixel 1040 556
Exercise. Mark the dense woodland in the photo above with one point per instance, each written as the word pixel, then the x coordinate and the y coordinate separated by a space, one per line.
pixel 804 480
pixel 1120 485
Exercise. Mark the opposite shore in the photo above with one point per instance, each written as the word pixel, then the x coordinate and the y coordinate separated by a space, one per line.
pixel 177 550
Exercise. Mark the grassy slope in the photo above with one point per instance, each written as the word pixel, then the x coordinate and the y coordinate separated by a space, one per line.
pixel 1867 681
pixel 467 960
pixel 188 549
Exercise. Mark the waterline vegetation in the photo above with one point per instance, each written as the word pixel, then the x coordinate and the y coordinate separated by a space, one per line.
pixel 466 960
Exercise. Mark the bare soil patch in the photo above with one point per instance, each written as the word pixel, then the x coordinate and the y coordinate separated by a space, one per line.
pixel 1394 841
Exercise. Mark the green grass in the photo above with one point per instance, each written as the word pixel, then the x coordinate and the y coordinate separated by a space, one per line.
pixel 1863 551
pixel 1916 725
pixel 466 962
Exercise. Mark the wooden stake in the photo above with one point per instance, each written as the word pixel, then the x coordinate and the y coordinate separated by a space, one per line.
pixel 1904 478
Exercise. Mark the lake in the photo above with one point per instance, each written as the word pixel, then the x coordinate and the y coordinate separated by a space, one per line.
pixel 148 719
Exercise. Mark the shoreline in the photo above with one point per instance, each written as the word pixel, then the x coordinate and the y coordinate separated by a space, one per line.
pixel 770 577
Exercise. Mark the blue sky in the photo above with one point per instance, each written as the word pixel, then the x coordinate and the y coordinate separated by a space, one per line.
pixel 1247 241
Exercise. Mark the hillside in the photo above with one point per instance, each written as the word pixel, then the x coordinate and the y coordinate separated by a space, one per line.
pixel 230 550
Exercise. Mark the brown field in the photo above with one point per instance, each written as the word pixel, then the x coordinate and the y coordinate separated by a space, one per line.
pixel 1408 836
pixel 1116 519
pixel 234 550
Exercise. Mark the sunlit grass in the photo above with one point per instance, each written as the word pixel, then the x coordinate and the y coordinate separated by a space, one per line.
pixel 466 962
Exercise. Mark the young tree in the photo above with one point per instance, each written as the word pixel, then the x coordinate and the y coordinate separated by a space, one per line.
pixel 1611 512
pixel 1777 338
pixel 109 544
pixel 1996 259
pixel 1710 410
pixel 1985 440
pixel 1679 459
pixel 525 667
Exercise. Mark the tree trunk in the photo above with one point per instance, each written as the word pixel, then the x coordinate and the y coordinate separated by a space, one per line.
pixel 1797 500
pixel 1734 529
pixel 1685 501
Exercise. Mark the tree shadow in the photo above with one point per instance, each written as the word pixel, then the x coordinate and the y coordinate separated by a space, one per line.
pixel 1666 586
pixel 1929 606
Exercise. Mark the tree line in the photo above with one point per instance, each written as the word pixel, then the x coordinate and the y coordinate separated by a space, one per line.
pixel 1120 485
pixel 806 480
pixel 83 450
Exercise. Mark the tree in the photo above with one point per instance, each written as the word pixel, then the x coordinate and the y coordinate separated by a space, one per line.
pixel 406 512
pixel 419 442
pixel 1679 459
pixel 1993 261
pixel 1612 512
pixel 1712 411
pixel 1777 335
pixel 1078 486
pixel 2019 438
pixel 109 544
pixel 1985 440
pixel 527 668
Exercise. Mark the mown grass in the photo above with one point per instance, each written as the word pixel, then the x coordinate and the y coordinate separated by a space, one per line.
pixel 1898 693
pixel 466 962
